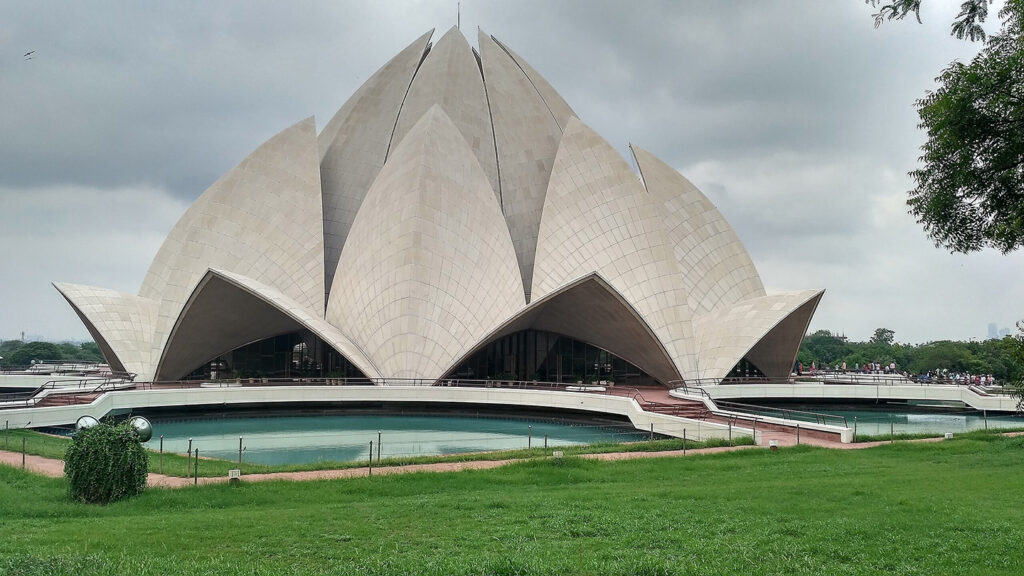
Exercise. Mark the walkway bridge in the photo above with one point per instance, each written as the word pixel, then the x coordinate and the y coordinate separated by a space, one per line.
pixel 879 388
pixel 651 409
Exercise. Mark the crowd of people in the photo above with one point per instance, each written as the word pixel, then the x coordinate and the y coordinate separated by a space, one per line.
pixel 938 375
pixel 842 368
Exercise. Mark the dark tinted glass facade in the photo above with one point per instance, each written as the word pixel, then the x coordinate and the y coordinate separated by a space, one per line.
pixel 548 357
pixel 295 355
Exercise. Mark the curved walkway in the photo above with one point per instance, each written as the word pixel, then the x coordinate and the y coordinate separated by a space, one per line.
pixel 54 468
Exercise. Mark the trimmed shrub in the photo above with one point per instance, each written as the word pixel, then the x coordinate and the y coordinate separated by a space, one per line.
pixel 106 463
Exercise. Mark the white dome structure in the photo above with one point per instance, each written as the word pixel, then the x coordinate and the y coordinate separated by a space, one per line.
pixel 454 219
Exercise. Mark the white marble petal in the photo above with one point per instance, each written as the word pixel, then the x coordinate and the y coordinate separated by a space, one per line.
pixel 527 137
pixel 767 330
pixel 429 268
pixel 262 219
pixel 598 219
pixel 355 143
pixel 717 270
pixel 121 324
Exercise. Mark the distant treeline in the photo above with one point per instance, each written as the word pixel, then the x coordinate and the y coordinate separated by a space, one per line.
pixel 1000 357
pixel 20 353
pixel 1003 358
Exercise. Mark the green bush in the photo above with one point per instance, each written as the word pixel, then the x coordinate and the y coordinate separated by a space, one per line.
pixel 105 463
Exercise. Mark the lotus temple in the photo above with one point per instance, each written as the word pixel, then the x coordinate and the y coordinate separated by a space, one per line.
pixel 455 243
pixel 454 219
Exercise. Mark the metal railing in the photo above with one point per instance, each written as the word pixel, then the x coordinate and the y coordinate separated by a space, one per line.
pixel 87 390
pixel 785 413
pixel 770 411
pixel 67 390
pixel 47 367
pixel 842 378
pixel 885 379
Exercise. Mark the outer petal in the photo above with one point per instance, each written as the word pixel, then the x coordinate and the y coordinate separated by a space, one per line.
pixel 526 136
pixel 450 78
pixel 558 107
pixel 262 219
pixel 717 270
pixel 597 218
pixel 766 330
pixel 229 310
pixel 591 310
pixel 355 143
pixel 121 324
pixel 429 267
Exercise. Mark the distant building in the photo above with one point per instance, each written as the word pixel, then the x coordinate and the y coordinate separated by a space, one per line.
pixel 993 330
pixel 455 219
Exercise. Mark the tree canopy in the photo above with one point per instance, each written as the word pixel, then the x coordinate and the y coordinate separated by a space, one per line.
pixel 1003 358
pixel 19 353
pixel 967 23
pixel 969 191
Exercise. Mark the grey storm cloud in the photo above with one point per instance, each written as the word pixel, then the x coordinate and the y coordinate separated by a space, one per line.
pixel 796 118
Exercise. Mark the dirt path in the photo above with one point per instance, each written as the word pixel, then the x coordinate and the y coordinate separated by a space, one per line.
pixel 46 466
pixel 54 468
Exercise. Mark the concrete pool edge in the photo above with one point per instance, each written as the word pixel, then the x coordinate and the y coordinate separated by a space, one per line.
pixel 127 400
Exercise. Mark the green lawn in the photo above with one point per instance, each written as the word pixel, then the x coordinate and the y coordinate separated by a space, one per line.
pixel 52 446
pixel 953 507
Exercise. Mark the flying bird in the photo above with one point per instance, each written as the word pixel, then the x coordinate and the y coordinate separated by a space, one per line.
pixel 29 55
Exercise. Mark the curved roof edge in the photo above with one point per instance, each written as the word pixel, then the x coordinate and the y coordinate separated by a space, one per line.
pixel 570 311
pixel 228 310
pixel 418 48
pixel 717 268
pixel 774 324
pixel 598 218
pixel 356 144
pixel 121 324
pixel 557 106
pixel 526 137
pixel 263 219
pixel 776 353
pixel 450 77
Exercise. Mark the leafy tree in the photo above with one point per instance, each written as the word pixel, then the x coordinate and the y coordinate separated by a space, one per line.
pixel 19 353
pixel 947 355
pixel 1003 358
pixel 90 351
pixel 824 347
pixel 30 351
pixel 967 23
pixel 106 463
pixel 969 193
pixel 883 337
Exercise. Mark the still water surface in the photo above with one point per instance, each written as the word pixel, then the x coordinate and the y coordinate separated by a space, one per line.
pixel 339 438
pixel 873 421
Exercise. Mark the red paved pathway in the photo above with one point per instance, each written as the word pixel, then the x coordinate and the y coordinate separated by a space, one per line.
pixel 55 468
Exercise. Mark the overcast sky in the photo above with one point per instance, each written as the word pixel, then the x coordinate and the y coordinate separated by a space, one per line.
pixel 795 118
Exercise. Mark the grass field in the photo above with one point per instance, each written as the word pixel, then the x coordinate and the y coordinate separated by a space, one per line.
pixel 52 446
pixel 952 507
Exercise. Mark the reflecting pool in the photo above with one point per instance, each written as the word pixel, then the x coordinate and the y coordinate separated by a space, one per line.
pixel 339 438
pixel 912 420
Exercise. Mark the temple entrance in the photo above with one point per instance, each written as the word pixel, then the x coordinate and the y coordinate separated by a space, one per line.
pixel 549 357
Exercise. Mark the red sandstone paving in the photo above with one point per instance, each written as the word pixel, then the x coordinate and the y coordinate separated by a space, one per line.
pixel 38 464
